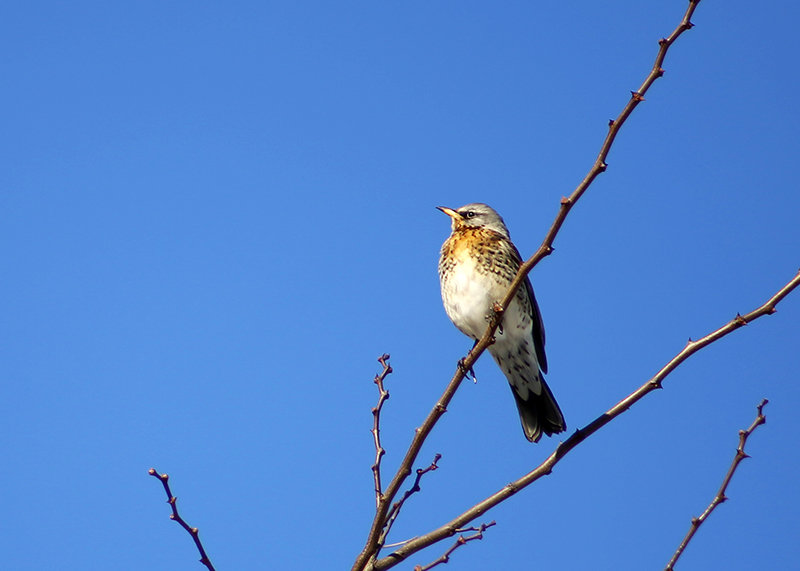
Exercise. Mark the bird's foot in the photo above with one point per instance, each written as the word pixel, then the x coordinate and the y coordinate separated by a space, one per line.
pixel 497 313
pixel 467 372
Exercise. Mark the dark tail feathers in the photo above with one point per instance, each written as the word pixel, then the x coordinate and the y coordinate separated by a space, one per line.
pixel 540 413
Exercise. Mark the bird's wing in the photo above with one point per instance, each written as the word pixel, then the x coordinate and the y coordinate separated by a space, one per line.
pixel 536 316
pixel 538 328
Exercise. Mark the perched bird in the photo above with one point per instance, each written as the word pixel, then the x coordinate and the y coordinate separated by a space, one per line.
pixel 477 264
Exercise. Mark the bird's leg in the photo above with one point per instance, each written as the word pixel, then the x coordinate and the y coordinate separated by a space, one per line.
pixel 468 372
pixel 497 312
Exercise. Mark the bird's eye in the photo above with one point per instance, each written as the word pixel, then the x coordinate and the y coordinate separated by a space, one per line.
pixel 470 214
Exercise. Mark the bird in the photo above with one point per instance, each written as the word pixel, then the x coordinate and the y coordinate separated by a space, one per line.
pixel 476 266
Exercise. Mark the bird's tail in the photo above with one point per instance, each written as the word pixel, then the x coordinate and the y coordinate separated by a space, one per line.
pixel 540 413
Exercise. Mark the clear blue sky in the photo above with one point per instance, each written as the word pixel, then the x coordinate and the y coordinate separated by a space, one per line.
pixel 215 216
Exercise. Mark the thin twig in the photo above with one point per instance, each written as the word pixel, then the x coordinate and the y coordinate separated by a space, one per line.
pixel 371 547
pixel 546 467
pixel 599 167
pixel 397 506
pixel 193 531
pixel 720 497
pixel 462 540
pixel 376 425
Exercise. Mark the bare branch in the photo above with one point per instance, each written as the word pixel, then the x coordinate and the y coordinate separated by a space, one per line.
pixel 383 394
pixel 546 467
pixel 462 540
pixel 599 167
pixel 720 497
pixel 395 511
pixel 371 547
pixel 193 531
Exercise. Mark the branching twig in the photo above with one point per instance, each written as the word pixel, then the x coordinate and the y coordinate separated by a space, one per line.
pixel 193 531
pixel 376 425
pixel 376 530
pixel 546 467
pixel 395 511
pixel 462 540
pixel 720 497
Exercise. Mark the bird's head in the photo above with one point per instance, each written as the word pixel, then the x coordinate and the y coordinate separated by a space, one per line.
pixel 476 215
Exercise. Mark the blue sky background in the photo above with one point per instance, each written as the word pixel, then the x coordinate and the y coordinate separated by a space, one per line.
pixel 215 217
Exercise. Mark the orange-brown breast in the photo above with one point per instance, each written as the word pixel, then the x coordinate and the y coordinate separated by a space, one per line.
pixel 487 249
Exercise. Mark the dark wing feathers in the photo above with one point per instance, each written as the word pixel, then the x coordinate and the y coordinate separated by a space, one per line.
pixel 538 328
pixel 538 324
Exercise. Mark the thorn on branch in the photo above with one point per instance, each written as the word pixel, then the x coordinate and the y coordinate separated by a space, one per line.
pixel 384 361
pixel 761 418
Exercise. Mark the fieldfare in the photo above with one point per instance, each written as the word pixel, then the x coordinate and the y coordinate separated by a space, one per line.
pixel 477 264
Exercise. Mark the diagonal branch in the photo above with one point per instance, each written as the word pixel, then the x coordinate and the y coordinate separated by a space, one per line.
pixel 193 531
pixel 720 497
pixel 376 425
pixel 599 166
pixel 546 467
pixel 371 547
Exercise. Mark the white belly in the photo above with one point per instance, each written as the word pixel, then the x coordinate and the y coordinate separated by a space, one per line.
pixel 468 296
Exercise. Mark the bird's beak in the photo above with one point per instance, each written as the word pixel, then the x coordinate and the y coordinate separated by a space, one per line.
pixel 450 212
